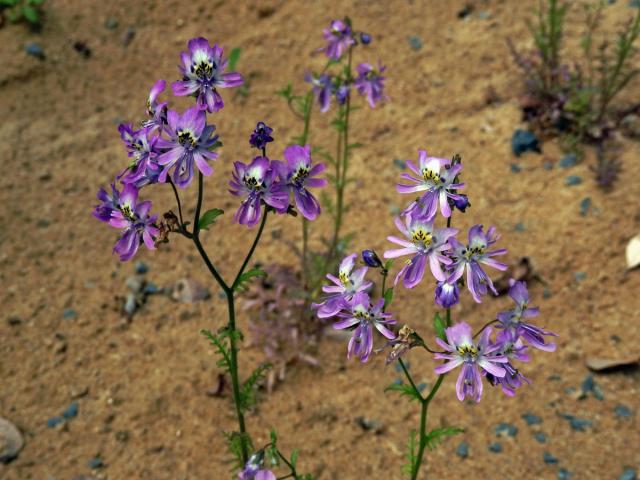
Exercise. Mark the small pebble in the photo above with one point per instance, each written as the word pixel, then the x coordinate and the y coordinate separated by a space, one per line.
pixel 134 283
pixel 577 424
pixel 589 386
pixel 519 227
pixel 523 141
pixel 628 474
pixel 35 50
pixel 95 463
pixel 585 205
pixel 463 450
pixel 532 419
pixel 14 320
pixel 141 267
pixel 399 163
pixel 11 441
pixel 580 276
pixel 554 378
pixel 421 387
pixel 151 289
pixel 130 304
pixel 547 166
pixel 54 422
pixel 546 293
pixel 572 180
pixel 415 42
pixel 540 437
pixel 71 411
pixel 549 459
pixel 515 168
pixel 564 474
pixel 495 447
pixel 568 161
pixel 111 23
pixel 484 15
pixel 128 36
pixel 623 411
pixel 634 3
pixel 506 429
pixel 69 313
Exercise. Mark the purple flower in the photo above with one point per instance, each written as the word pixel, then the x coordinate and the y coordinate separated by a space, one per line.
pixel 461 350
pixel 202 70
pixel 447 294
pixel 512 349
pixel 365 38
pixel 471 256
pixel 298 174
pixel 133 217
pixel 322 88
pixel 345 286
pixel 342 93
pixel 190 141
pixel 461 203
pixel 157 111
pixel 370 83
pixel 514 321
pixel 110 203
pixel 360 312
pixel 253 469
pixel 371 259
pixel 435 177
pixel 339 39
pixel 426 244
pixel 140 149
pixel 258 182
pixel 261 136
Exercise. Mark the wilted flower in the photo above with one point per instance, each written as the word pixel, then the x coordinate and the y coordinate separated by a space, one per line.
pixel 203 72
pixel 426 244
pixel 370 82
pixel 133 217
pixel 461 350
pixel 514 321
pixel 339 39
pixel 261 136
pixel 345 286
pixel 257 182
pixel 359 311
pixel 253 469
pixel 406 340
pixel 140 149
pixel 435 177
pixel 471 256
pixel 191 140
pixel 447 294
pixel 321 87
pixel 298 174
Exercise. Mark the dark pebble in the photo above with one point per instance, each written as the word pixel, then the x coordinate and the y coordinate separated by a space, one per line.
pixel 568 161
pixel 572 180
pixel 523 141
pixel 519 227
pixel 69 313
pixel 546 293
pixel 151 289
pixel 549 459
pixel 623 411
pixel 54 422
pixel 495 447
pixel 35 50
pixel 463 450
pixel 628 474
pixel 540 437
pixel 585 205
pixel 415 42
pixel 589 386
pixel 71 411
pixel 95 463
pixel 400 164
pixel 421 386
pixel 111 23
pixel 515 168
pixel 532 419
pixel 577 424
pixel 547 166
pixel 554 378
pixel 141 267
pixel 507 429
pixel 14 320
pixel 564 474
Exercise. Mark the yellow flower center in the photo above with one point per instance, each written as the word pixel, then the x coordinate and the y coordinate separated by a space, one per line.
pixel 187 138
pixel 430 175
pixel 423 237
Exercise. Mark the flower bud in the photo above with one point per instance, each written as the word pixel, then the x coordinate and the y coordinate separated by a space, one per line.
pixel 461 203
pixel 365 38
pixel 371 259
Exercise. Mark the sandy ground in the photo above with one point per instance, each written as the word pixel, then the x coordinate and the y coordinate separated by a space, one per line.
pixel 141 387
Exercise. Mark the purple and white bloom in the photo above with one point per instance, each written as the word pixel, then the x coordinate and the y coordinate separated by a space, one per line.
pixel 370 83
pixel 342 93
pixel 261 136
pixel 141 150
pixel 447 294
pixel 110 203
pixel 359 311
pixel 157 111
pixel 472 256
pixel 253 469
pixel 348 283
pixel 460 349
pixel 321 87
pixel 191 141
pixel 426 244
pixel 298 174
pixel 513 349
pixel 203 73
pixel 138 227
pixel 515 321
pixel 435 177
pixel 339 39
pixel 257 182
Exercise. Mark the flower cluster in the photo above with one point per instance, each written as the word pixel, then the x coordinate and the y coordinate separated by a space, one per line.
pixel 369 82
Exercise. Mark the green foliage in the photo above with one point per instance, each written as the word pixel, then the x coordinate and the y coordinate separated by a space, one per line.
pixel 246 277
pixel 404 390
pixel 248 389
pixel 29 11
pixel 412 454
pixel 209 218
pixel 435 436
pixel 439 326
pixel 234 56
pixel 223 349
pixel 547 35
pixel 237 443
pixel 388 297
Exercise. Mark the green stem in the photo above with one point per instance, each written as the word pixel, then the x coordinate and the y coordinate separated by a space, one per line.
pixel 293 473
pixel 234 285
pixel 411 382
pixel 308 103
pixel 423 426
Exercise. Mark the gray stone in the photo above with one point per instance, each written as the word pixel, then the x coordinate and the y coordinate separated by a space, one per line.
pixel 11 441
